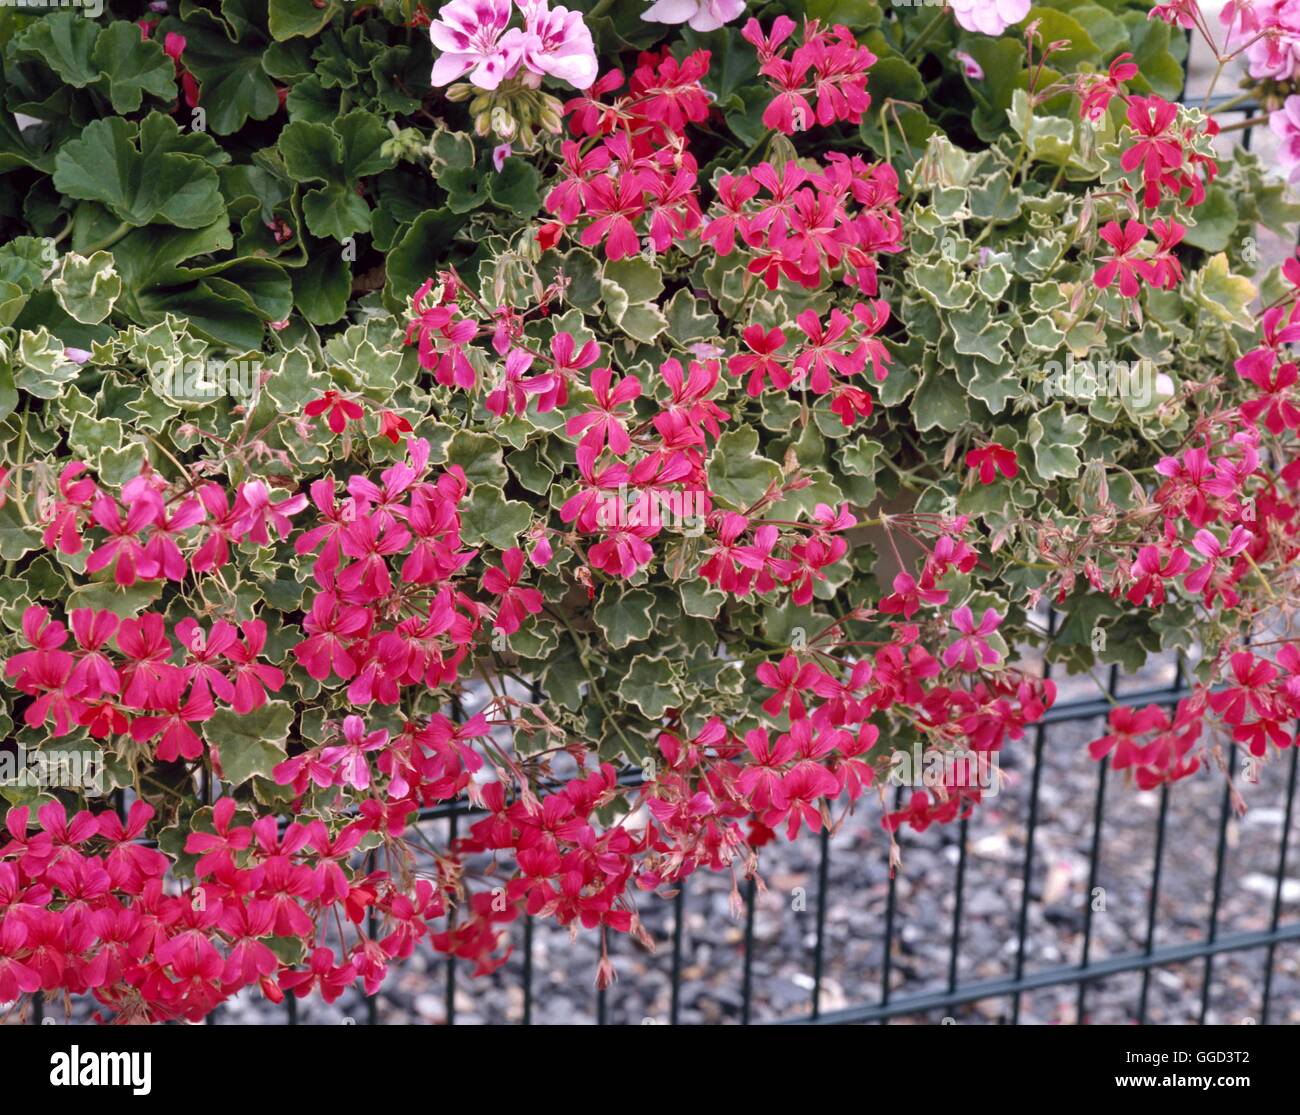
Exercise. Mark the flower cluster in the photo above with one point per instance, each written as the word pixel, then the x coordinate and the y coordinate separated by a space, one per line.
pixel 641 173
pixel 475 38
pixel 141 532
pixel 84 909
pixel 828 65
pixel 802 225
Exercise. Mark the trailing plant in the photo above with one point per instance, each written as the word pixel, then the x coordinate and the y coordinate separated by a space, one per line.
pixel 648 434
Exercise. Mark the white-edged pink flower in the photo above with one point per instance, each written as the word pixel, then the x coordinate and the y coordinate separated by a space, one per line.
pixel 702 15
pixel 472 36
pixel 557 42
pixel 989 17
pixel 971 651
pixel 1285 124
pixel 500 154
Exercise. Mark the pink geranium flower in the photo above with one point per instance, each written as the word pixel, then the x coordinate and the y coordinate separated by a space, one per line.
pixel 1285 124
pixel 472 36
pixel 702 15
pixel 989 17
pixel 556 42
pixel 971 651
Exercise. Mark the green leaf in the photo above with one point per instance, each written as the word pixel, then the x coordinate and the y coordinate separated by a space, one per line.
pixel 16 538
pixel 977 334
pixel 1055 437
pixel 491 518
pixel 87 287
pixel 1217 290
pixel 517 189
pixel 64 41
pixel 479 455
pixel 133 67
pixel 650 685
pixel 42 368
pixel 339 156
pixel 940 401
pixel 686 324
pixel 415 257
pixel 321 288
pixel 624 615
pixel 289 19
pixel 738 474
pixel 139 184
pixel 234 87
pixel 1216 220
pixel 252 743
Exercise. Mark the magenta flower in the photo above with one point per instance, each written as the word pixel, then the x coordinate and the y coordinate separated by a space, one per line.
pixel 349 758
pixel 473 39
pixel 971 651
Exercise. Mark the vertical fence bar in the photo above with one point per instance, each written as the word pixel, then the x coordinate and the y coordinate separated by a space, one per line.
pixel 372 926
pixel 1154 901
pixel 528 969
pixel 457 715
pixel 1155 872
pixel 534 695
pixel 1098 813
pixel 1276 919
pixel 679 914
pixel 451 924
pixel 823 867
pixel 747 978
pixel 886 964
pixel 1026 879
pixel 1220 856
pixel 957 907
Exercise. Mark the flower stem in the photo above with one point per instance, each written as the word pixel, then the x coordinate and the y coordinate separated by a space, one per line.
pixel 914 55
pixel 109 240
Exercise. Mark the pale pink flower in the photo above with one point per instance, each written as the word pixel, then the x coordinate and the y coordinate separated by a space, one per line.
pixel 702 15
pixel 970 67
pixel 1285 124
pixel 989 17
pixel 473 39
pixel 1274 56
pixel 556 41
